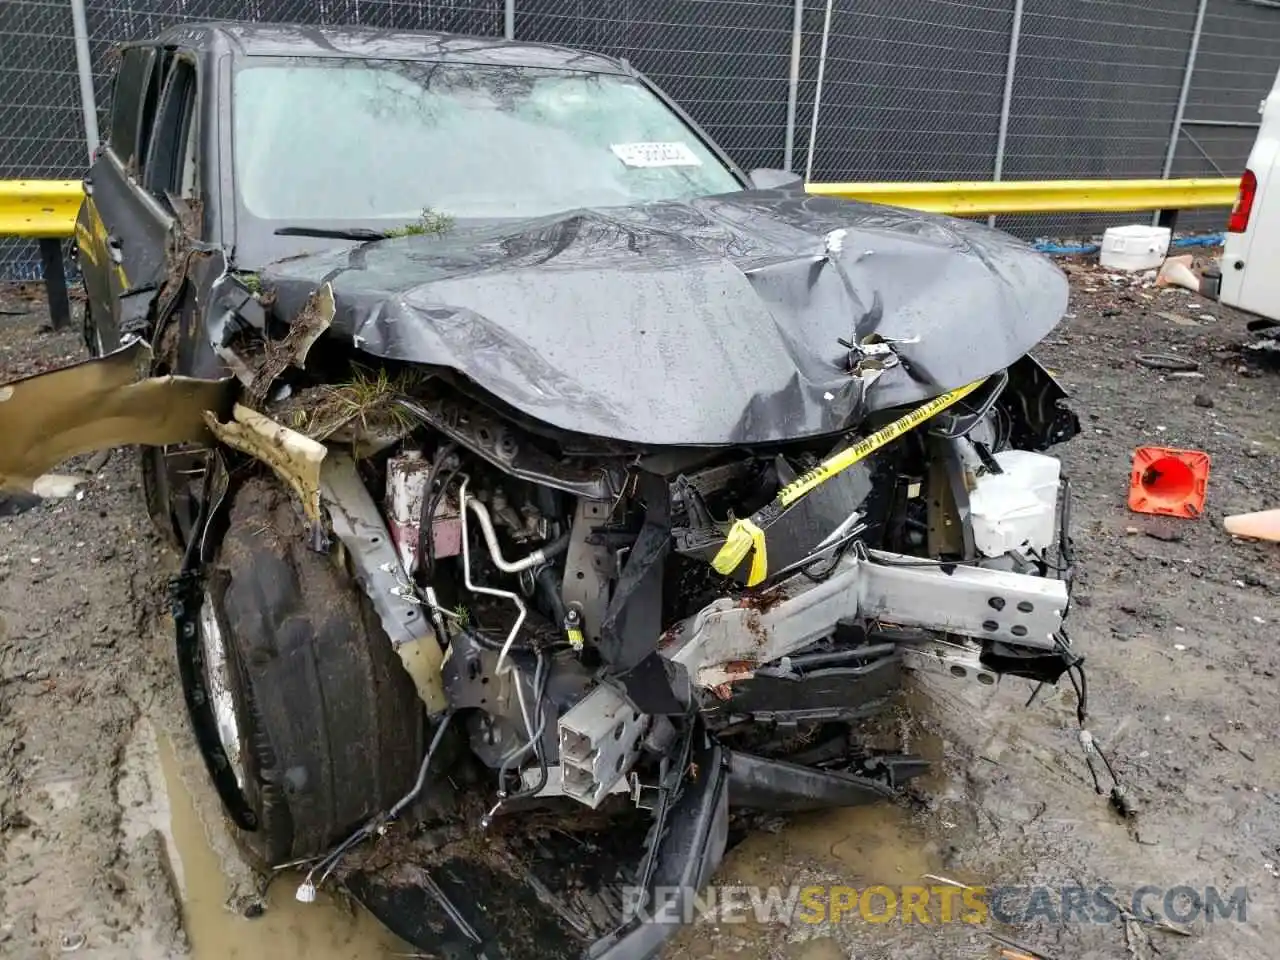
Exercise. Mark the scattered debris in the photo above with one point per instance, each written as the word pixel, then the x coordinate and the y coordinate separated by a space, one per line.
pixel 98 461
pixel 15 502
pixel 1014 945
pixel 1163 531
pixel 1177 318
pixel 1134 247
pixel 1266 342
pixel 1149 920
pixel 1177 272
pixel 307 327
pixel 71 942
pixel 366 408
pixel 1163 361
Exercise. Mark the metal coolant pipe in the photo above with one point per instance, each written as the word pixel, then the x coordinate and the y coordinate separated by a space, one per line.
pixel 537 558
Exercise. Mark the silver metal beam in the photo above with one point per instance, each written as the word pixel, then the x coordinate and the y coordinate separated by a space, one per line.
pixel 793 87
pixel 1187 73
pixel 1010 69
pixel 817 94
pixel 727 640
pixel 509 19
pixel 84 67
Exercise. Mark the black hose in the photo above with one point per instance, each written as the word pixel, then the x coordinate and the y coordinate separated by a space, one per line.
pixel 488 643
pixel 430 500
pixel 549 581
pixel 556 547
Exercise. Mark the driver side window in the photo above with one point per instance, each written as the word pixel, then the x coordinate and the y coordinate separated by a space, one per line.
pixel 171 166
pixel 132 90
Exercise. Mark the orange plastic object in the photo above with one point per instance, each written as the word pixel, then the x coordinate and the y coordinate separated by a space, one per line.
pixel 1264 525
pixel 1169 482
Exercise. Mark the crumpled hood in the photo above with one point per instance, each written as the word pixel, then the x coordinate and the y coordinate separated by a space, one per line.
pixel 713 321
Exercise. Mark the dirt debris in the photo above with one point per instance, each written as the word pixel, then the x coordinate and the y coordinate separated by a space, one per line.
pixel 86 657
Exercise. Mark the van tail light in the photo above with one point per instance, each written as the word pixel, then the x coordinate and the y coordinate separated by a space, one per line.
pixel 1239 220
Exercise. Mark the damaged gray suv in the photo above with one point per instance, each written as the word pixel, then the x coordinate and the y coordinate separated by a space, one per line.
pixel 551 494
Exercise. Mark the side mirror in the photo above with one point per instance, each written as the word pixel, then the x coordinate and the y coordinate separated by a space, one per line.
pixel 763 178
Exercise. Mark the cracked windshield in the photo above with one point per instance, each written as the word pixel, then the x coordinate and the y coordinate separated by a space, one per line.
pixel 463 140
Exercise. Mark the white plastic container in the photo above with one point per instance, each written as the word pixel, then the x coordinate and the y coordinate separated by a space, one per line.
pixel 1016 509
pixel 1135 247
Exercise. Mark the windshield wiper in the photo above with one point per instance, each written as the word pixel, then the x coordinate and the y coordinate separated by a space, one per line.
pixel 350 233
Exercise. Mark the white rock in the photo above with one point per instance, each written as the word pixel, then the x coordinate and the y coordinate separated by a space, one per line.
pixel 55 486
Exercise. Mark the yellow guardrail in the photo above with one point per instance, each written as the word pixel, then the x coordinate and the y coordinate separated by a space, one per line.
pixel 41 209
pixel 970 198
pixel 47 208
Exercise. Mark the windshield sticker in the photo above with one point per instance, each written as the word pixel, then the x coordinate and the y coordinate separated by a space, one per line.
pixel 656 154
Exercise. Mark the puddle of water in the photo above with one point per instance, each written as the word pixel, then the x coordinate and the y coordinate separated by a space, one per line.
pixel 288 930
pixel 875 844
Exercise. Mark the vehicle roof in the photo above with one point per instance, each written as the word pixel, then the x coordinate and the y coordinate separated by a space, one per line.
pixel 309 40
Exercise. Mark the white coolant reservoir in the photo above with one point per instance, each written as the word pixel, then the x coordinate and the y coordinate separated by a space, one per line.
pixel 1016 509
pixel 1135 247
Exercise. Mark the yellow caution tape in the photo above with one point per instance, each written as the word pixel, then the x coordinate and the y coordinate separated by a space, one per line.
pixel 746 535
pixel 847 457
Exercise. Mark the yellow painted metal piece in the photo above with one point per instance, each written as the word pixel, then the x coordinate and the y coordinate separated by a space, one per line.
pixel 96 405
pixel 39 208
pixel 975 198
pixel 47 208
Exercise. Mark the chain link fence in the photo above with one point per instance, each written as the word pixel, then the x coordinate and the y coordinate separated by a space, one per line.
pixel 843 89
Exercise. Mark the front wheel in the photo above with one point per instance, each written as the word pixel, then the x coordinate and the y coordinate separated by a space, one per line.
pixel 321 725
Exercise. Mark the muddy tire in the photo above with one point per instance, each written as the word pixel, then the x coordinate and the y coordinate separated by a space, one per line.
pixel 328 724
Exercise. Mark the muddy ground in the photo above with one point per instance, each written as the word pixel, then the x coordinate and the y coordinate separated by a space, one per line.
pixel 109 840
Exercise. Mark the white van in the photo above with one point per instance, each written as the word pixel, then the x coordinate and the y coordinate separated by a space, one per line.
pixel 1250 262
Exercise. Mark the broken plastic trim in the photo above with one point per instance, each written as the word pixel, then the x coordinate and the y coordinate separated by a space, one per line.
pixel 687 854
pixel 295 459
